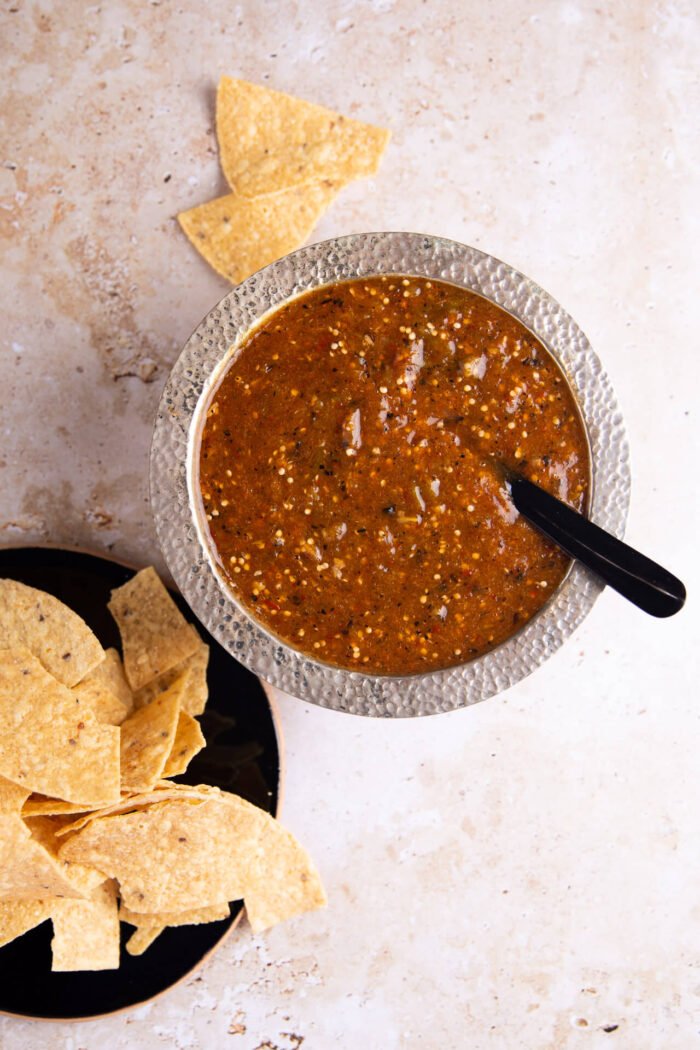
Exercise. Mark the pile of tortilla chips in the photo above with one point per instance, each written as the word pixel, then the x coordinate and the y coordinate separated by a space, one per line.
pixel 285 160
pixel 92 831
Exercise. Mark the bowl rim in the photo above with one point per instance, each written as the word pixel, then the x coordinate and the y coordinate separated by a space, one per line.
pixel 176 500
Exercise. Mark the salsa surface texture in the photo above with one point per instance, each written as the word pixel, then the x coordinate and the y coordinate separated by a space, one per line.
pixel 346 481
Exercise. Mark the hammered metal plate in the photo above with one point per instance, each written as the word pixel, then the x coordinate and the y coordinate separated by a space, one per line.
pixel 177 504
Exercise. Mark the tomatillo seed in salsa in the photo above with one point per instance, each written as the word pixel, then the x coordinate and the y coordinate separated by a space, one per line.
pixel 346 476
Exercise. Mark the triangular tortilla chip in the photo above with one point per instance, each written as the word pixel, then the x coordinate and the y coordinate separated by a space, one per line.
pixel 155 635
pixel 238 236
pixel 269 141
pixel 189 740
pixel 49 741
pixel 61 641
pixel 147 738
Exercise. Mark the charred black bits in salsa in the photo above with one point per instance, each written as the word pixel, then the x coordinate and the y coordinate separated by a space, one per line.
pixel 345 476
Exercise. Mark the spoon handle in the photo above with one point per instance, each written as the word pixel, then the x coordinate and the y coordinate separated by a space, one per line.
pixel 634 576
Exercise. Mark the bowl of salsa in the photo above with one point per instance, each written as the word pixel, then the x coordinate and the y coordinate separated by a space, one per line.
pixel 325 483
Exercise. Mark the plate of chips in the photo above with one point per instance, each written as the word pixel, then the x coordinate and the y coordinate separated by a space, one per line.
pixel 139 780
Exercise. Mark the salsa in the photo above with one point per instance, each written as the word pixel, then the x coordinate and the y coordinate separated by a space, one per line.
pixel 347 480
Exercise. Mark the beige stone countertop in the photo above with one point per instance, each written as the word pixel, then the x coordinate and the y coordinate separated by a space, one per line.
pixel 524 873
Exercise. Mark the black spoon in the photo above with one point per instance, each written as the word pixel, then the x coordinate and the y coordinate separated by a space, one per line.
pixel 634 576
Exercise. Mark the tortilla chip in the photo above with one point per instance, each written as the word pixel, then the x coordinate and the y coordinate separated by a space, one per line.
pixel 237 236
pixel 189 740
pixel 86 933
pixel 18 917
pixel 61 641
pixel 283 881
pixel 269 141
pixel 147 738
pixel 142 938
pixel 155 635
pixel 40 806
pixel 105 706
pixel 29 871
pixel 172 857
pixel 196 693
pixel 139 800
pixel 49 741
pixel 12 798
pixel 148 927
pixel 190 917
pixel 110 674
pixel 81 877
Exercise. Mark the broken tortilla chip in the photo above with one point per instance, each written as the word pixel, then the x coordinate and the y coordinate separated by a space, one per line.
pixel 60 640
pixel 189 740
pixel 110 674
pixel 238 236
pixel 155 635
pixel 86 932
pixel 142 938
pixel 189 917
pixel 148 927
pixel 163 791
pixel 40 806
pixel 147 739
pixel 271 142
pixel 49 741
pixel 196 692
pixel 105 706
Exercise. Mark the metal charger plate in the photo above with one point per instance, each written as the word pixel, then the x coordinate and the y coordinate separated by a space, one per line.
pixel 176 499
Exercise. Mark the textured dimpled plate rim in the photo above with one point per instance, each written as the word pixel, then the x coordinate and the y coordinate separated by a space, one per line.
pixel 177 505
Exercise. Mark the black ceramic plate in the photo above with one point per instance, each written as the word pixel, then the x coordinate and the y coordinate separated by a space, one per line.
pixel 241 755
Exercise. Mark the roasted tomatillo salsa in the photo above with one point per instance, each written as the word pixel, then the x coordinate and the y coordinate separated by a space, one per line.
pixel 346 478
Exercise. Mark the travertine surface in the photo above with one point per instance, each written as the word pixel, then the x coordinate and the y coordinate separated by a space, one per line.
pixel 523 874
